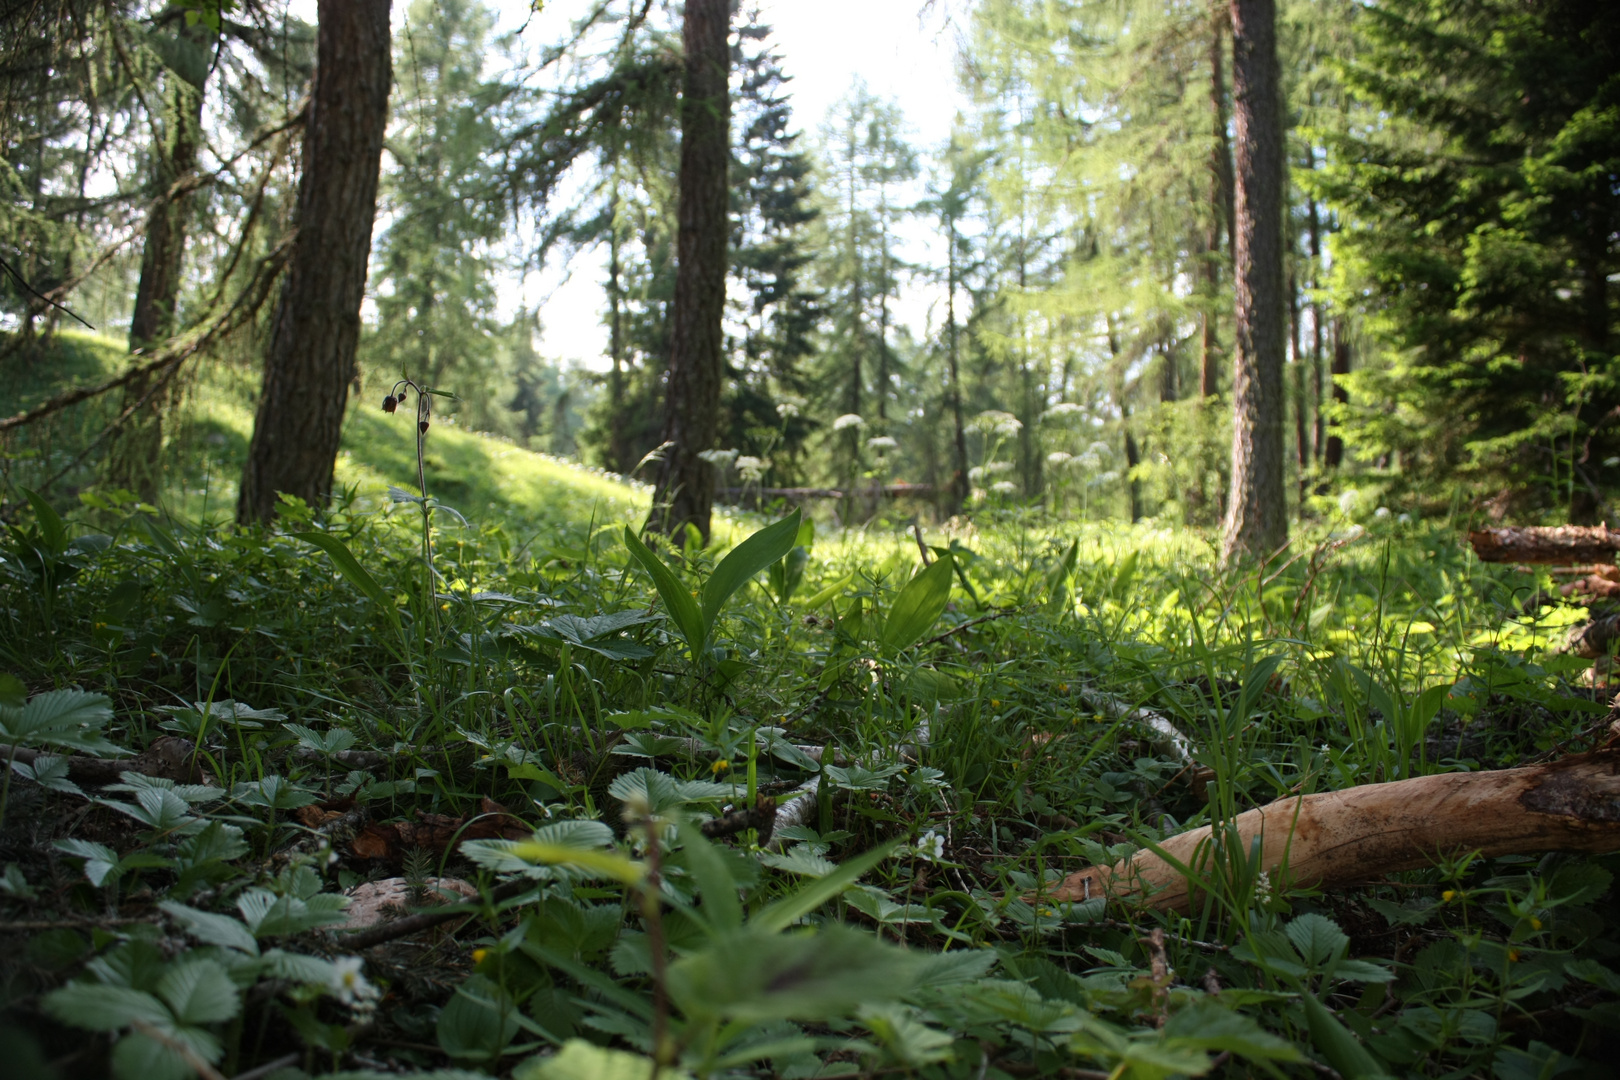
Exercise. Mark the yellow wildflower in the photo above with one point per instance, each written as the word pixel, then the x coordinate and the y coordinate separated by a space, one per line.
pixel 1535 923
pixel 720 766
pixel 1448 896
pixel 479 954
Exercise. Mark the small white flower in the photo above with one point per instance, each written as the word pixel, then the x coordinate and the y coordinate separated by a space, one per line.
pixel 847 421
pixel 1347 500
pixel 1404 519
pixel 1062 410
pixel 1262 888
pixel 752 468
pixel 1059 458
pixel 787 410
pixel 930 846
pixel 1381 513
pixel 882 442
pixel 1004 487
pixel 349 985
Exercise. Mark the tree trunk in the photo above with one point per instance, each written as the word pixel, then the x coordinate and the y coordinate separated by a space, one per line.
pixel 1302 442
pixel 1220 206
pixel 959 478
pixel 135 458
pixel 1257 512
pixel 685 487
pixel 310 362
pixel 1333 456
pixel 1318 430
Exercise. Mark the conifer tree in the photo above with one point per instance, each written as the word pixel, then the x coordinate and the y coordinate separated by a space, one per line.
pixel 311 359
pixel 684 491
pixel 1257 511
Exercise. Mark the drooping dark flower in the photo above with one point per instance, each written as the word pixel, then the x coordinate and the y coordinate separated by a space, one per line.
pixel 390 403
pixel 421 425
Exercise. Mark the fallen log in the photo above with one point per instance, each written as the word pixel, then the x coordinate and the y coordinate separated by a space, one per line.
pixel 1338 838
pixel 1537 544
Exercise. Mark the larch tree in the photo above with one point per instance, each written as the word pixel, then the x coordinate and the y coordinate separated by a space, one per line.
pixel 311 359
pixel 684 491
pixel 1256 511
pixel 135 457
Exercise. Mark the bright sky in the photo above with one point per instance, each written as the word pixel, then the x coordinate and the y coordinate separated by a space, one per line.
pixel 904 49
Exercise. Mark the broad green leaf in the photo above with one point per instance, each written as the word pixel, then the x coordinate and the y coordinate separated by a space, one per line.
pixel 790 909
pixel 99 860
pixel 1208 1025
pixel 919 605
pixel 1342 1049
pixel 350 567
pixel 71 718
pixel 830 593
pixel 663 791
pixel 105 1008
pixel 1317 938
pixel 478 1022
pixel 683 609
pixel 744 561
pixel 199 991
pixel 137 1057
pixel 581 1060
pixel 212 929
pixel 721 908
pixel 52 529
pixel 755 975
pixel 1058 595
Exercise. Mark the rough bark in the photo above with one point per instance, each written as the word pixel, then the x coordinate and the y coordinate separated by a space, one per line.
pixel 1338 838
pixel 1220 199
pixel 684 493
pixel 1563 545
pixel 134 459
pixel 1257 512
pixel 310 363
pixel 959 477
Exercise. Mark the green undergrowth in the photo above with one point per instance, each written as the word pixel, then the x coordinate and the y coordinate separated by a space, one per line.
pixel 550 711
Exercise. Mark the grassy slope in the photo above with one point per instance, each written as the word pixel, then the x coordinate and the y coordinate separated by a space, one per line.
pixel 487 480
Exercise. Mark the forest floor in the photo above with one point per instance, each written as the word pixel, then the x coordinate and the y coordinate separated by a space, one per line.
pixel 390 813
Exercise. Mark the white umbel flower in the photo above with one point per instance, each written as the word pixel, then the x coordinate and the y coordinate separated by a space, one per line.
pixel 882 442
pixel 847 421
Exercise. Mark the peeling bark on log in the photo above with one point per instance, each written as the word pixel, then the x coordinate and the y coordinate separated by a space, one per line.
pixel 1341 837
pixel 1535 544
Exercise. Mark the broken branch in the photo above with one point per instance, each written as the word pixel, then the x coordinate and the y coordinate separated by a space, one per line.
pixel 1336 838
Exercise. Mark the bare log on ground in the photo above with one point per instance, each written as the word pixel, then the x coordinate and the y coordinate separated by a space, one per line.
pixel 1536 544
pixel 1338 838
pixel 169 758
